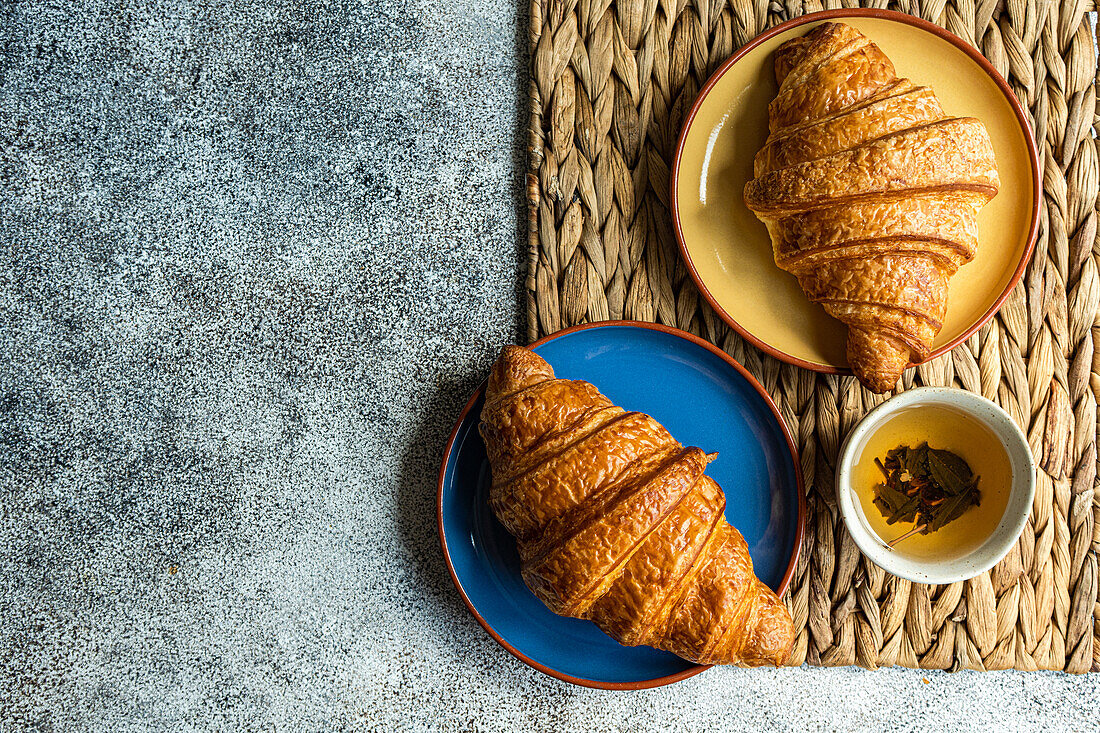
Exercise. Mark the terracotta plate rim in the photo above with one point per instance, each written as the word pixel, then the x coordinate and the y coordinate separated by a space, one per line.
pixel 799 484
pixel 890 15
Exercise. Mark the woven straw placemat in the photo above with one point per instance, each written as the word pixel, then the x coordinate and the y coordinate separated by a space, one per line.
pixel 611 81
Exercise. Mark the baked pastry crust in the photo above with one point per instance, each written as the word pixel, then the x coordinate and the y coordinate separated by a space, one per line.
pixel 870 194
pixel 616 522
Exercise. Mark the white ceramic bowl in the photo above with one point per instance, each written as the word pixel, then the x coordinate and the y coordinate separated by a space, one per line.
pixel 1017 508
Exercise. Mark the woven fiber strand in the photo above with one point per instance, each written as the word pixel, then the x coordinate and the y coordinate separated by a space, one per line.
pixel 611 82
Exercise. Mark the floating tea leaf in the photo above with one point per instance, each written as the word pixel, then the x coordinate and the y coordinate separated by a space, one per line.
pixel 949 471
pixel 889 499
pixel 915 460
pixel 906 513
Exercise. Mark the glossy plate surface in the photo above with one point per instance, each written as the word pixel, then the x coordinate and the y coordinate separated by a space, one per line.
pixel 703 399
pixel 728 249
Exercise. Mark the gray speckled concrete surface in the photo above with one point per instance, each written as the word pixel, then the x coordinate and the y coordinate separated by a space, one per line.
pixel 255 256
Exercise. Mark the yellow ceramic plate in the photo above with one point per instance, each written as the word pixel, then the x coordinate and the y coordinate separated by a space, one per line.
pixel 727 249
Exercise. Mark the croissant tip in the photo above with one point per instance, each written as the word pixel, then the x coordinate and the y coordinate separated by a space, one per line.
pixel 879 383
pixel 877 359
pixel 511 352
pixel 516 368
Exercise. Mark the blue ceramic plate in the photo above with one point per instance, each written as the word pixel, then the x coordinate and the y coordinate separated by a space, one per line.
pixel 704 398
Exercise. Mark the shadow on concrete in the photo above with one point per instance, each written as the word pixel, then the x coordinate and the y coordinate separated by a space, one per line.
pixel 417 514
pixel 417 486
pixel 520 164
pixel 418 475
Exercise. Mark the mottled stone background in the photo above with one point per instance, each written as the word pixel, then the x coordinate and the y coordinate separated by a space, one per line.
pixel 255 256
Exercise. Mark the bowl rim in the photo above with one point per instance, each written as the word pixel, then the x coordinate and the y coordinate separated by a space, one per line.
pixel 892 15
pixel 961 400
pixel 695 669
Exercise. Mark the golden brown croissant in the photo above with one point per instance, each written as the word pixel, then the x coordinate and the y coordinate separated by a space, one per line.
pixel 617 523
pixel 871 195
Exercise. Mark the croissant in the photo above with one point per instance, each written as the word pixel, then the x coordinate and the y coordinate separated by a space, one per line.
pixel 616 522
pixel 870 194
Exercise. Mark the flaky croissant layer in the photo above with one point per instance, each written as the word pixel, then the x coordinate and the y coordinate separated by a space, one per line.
pixel 870 194
pixel 616 521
